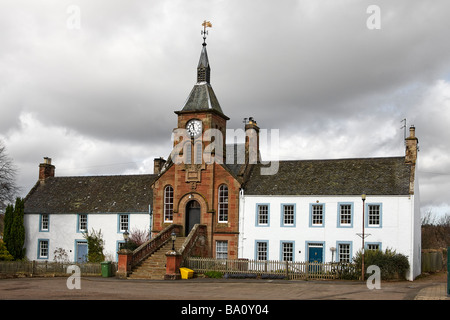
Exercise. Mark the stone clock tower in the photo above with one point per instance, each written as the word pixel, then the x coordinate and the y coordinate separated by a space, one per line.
pixel 203 120
pixel 195 186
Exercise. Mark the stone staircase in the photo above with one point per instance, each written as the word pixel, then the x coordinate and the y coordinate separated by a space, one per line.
pixel 154 267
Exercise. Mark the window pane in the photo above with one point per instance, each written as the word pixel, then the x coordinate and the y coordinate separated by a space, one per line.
pixel 82 222
pixel 221 249
pixel 317 214
pixel 124 222
pixel 346 214
pixel 43 249
pixel 223 203
pixel 288 214
pixel 374 215
pixel 261 251
pixel 44 222
pixel 344 253
pixel 168 204
pixel 288 251
pixel 263 214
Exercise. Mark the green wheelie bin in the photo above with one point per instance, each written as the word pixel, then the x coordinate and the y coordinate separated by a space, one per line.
pixel 106 269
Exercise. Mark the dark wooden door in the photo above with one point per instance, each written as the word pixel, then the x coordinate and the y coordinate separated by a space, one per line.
pixel 192 215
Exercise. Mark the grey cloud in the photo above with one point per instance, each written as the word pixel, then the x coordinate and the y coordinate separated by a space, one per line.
pixel 309 68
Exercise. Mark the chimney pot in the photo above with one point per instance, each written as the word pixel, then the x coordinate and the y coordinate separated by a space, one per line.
pixel 412 132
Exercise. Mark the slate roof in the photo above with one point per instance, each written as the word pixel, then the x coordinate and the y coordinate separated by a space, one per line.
pixel 374 176
pixel 202 98
pixel 133 193
pixel 91 194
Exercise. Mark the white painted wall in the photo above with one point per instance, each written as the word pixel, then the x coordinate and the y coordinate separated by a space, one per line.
pixel 417 229
pixel 399 229
pixel 63 232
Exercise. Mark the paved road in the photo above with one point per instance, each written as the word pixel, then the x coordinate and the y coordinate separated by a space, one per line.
pixel 207 298
pixel 97 288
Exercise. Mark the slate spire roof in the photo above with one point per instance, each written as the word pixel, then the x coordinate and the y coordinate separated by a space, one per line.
pixel 203 68
pixel 202 96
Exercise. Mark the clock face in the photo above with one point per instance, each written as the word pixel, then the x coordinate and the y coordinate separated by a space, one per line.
pixel 194 128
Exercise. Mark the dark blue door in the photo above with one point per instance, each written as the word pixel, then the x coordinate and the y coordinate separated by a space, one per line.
pixel 315 254
pixel 82 250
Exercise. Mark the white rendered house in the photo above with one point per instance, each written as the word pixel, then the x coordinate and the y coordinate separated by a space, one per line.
pixel 59 209
pixel 312 210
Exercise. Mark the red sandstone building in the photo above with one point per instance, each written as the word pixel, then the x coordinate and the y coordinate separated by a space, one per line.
pixel 198 190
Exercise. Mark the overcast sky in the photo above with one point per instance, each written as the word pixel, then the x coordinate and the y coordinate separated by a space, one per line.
pixel 94 84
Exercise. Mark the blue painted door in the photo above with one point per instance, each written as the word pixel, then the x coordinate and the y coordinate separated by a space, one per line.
pixel 82 250
pixel 315 254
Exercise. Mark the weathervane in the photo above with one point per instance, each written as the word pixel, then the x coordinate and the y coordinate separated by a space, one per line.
pixel 205 24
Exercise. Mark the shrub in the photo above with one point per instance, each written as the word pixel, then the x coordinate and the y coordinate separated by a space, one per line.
pixel 214 274
pixel 60 255
pixel 95 246
pixel 346 271
pixel 4 254
pixel 391 263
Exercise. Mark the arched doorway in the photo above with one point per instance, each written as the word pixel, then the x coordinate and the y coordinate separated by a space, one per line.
pixel 192 215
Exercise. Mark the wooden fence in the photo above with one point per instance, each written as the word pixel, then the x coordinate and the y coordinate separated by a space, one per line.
pixel 433 260
pixel 42 268
pixel 272 269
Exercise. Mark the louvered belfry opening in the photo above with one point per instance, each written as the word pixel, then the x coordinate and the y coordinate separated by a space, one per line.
pixel 203 69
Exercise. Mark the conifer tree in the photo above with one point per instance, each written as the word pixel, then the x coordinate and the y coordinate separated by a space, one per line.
pixel 14 234
pixel 18 231
pixel 9 216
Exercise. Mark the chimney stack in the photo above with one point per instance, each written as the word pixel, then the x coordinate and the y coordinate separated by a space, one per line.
pixel 411 146
pixel 46 169
pixel 158 164
pixel 251 141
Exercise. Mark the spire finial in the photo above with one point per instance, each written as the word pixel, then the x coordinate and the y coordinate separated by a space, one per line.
pixel 205 24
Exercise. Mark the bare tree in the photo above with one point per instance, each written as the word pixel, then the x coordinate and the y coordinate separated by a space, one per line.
pixel 139 236
pixel 435 231
pixel 8 187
